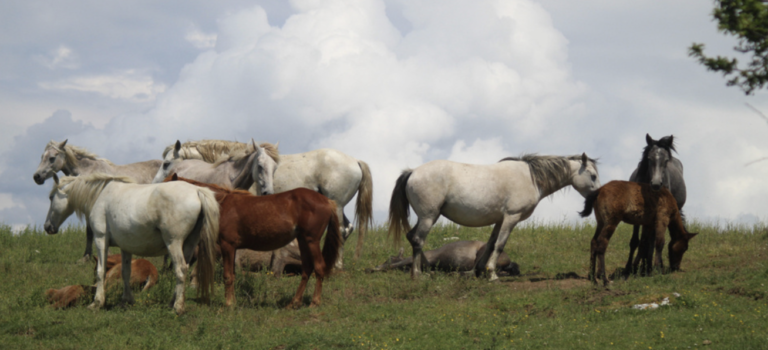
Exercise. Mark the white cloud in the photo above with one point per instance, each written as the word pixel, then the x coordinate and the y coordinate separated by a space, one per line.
pixel 126 85
pixel 200 39
pixel 480 152
pixel 61 57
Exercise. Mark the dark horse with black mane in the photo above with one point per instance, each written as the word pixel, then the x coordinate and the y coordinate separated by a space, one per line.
pixel 658 168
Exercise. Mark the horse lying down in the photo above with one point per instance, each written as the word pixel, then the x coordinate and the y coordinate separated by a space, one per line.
pixel 143 275
pixel 284 260
pixel 458 256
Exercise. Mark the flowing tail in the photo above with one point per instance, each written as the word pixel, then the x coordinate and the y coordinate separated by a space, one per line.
pixel 207 246
pixel 333 240
pixel 399 208
pixel 589 203
pixel 363 206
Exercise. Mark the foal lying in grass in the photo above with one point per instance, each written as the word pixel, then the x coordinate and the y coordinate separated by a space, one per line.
pixel 636 204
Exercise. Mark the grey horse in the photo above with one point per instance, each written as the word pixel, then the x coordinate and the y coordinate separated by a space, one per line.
pixel 458 256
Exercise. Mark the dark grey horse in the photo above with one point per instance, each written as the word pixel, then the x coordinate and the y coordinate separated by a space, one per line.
pixel 458 256
pixel 659 168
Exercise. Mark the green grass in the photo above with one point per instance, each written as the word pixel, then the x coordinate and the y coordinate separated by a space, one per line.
pixel 722 300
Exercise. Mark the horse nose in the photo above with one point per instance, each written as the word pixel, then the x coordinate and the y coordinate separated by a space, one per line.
pixel 655 187
pixel 49 228
pixel 37 179
pixel 264 193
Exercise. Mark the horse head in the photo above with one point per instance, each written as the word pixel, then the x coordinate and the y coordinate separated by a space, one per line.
pixel 586 179
pixel 656 156
pixel 677 248
pixel 51 162
pixel 169 162
pixel 263 171
pixel 59 209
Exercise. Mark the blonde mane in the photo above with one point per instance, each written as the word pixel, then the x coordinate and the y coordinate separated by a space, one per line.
pixel 73 153
pixel 210 150
pixel 82 191
pixel 244 153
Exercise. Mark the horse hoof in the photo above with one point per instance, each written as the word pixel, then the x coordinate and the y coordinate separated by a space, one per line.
pixel 83 260
pixel 94 306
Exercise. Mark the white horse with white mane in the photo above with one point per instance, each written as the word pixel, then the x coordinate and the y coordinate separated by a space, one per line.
pixel 147 220
pixel 75 161
pixel 500 194
pixel 330 172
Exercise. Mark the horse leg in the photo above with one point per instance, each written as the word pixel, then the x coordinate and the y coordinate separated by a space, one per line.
pixel 593 253
pixel 630 268
pixel 344 234
pixel 645 253
pixel 481 263
pixel 505 228
pixel 127 291
pixel 416 237
pixel 661 229
pixel 319 265
pixel 180 268
pixel 228 261
pixel 101 271
pixel 307 265
pixel 599 246
pixel 88 255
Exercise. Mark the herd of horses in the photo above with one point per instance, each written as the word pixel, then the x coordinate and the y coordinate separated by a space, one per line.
pixel 220 197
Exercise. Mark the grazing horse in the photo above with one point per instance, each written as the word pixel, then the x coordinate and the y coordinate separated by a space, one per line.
pixel 503 194
pixel 330 172
pixel 635 204
pixel 456 256
pixel 141 219
pixel 658 168
pixel 271 222
pixel 74 161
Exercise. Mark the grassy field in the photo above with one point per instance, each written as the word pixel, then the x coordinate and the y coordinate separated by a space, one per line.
pixel 722 302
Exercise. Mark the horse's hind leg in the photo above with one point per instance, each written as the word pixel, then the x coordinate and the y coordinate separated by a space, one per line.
pixel 319 265
pixel 345 232
pixel 101 271
pixel 593 253
pixel 631 268
pixel 307 266
pixel 495 246
pixel 416 237
pixel 88 255
pixel 661 229
pixel 127 291
pixel 599 246
pixel 180 268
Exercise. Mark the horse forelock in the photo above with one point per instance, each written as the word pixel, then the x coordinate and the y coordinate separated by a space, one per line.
pixel 549 172
pixel 642 167
pixel 82 191
pixel 272 151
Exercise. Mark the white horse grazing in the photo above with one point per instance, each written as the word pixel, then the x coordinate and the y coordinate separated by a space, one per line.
pixel 74 161
pixel 503 194
pixel 146 220
pixel 330 172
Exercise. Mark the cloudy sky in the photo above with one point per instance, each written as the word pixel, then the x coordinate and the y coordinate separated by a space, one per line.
pixel 392 82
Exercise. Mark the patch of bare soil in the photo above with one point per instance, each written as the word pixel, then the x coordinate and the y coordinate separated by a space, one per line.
pixel 567 280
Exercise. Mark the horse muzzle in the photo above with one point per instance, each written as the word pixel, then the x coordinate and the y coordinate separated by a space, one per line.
pixel 38 179
pixel 655 187
pixel 50 229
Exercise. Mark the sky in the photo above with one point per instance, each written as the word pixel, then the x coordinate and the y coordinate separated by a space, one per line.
pixel 394 83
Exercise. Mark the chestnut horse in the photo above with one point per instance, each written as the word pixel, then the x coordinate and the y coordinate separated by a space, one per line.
pixel 636 204
pixel 270 222
pixel 143 273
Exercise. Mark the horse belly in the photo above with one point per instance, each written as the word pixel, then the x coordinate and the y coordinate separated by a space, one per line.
pixel 144 241
pixel 471 216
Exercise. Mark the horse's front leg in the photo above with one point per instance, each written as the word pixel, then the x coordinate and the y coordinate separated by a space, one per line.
pixel 228 261
pixel 593 253
pixel 631 268
pixel 345 232
pixel 416 237
pixel 501 234
pixel 126 271
pixel 307 266
pixel 88 255
pixel 661 230
pixel 101 271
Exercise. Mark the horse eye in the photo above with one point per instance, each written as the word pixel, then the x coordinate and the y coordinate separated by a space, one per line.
pixel 165 165
pixel 594 177
pixel 52 159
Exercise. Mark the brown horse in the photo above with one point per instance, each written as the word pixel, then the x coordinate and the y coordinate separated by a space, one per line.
pixel 270 222
pixel 635 204
pixel 69 295
pixel 143 273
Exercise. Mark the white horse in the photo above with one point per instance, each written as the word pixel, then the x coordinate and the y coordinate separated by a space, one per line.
pixel 503 194
pixel 74 161
pixel 330 172
pixel 141 219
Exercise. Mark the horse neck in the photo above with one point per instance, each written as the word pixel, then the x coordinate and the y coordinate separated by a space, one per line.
pixel 240 175
pixel 85 166
pixel 545 191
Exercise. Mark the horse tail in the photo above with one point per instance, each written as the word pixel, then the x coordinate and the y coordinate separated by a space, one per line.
pixel 589 203
pixel 207 246
pixel 399 208
pixel 363 206
pixel 333 240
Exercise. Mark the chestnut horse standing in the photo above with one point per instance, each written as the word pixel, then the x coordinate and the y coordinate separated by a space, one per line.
pixel 636 204
pixel 270 222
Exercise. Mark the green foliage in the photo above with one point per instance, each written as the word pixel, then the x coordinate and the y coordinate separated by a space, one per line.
pixel 722 298
pixel 748 21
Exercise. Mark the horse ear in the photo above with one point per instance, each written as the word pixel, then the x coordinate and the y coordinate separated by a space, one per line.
pixel 277 144
pixel 56 179
pixel 584 158
pixel 177 146
pixel 63 143
pixel 667 142
pixel 691 235
pixel 648 139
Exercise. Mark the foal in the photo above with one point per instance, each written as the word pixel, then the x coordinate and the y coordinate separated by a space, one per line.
pixel 635 204
pixel 273 221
